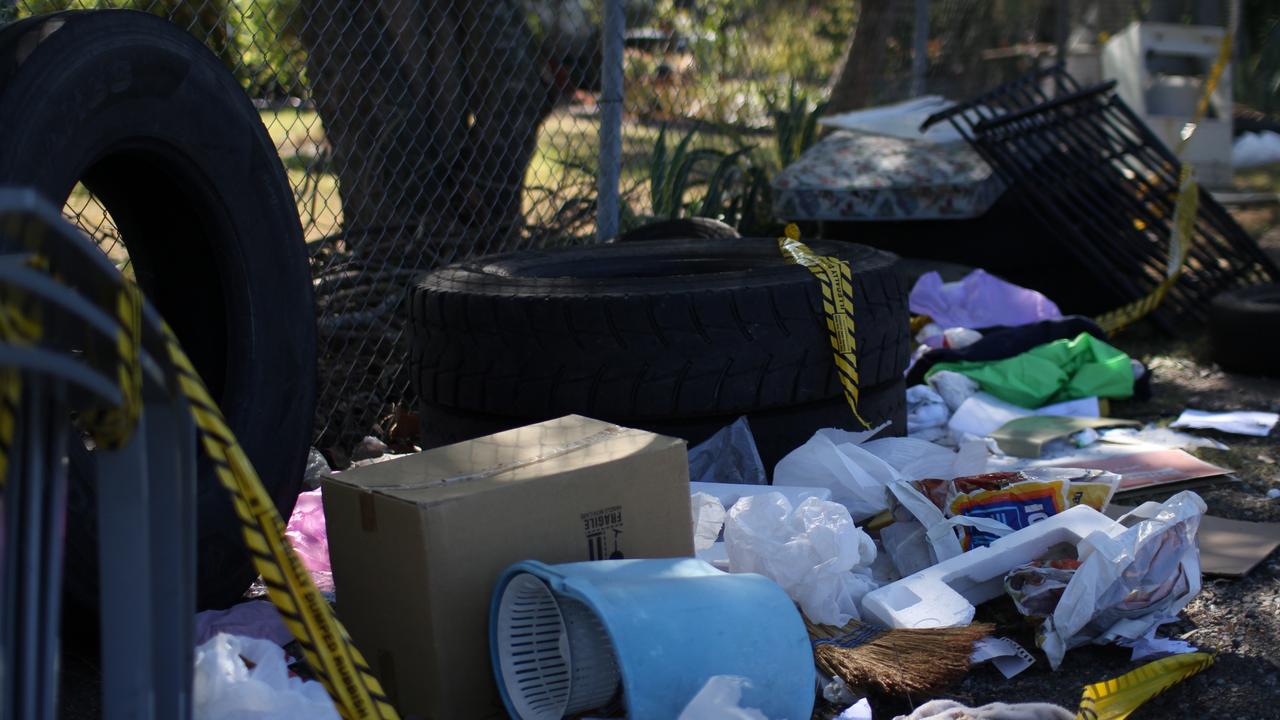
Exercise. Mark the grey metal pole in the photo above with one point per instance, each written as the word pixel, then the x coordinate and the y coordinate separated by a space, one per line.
pixel 610 121
pixel 920 51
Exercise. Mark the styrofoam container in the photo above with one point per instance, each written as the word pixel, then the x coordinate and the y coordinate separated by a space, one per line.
pixel 945 594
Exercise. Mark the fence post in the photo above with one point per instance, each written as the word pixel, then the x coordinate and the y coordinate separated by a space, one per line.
pixel 610 121
pixel 920 49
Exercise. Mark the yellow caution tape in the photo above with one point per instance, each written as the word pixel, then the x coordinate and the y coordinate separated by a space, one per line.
pixel 112 427
pixel 837 303
pixel 22 328
pixel 328 648
pixel 1184 213
pixel 329 652
pixel 1117 698
pixel 1184 225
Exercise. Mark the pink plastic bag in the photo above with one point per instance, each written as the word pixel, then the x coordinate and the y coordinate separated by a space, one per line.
pixel 306 532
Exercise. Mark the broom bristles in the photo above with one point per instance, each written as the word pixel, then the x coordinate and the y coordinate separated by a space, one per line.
pixel 900 661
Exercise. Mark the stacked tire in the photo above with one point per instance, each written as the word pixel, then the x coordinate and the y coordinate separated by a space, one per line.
pixel 679 336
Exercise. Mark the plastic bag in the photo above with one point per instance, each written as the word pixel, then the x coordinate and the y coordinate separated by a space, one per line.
pixel 720 699
pixel 308 536
pixel 1131 583
pixel 833 459
pixel 729 456
pixel 255 619
pixel 1051 373
pixel 979 300
pixel 1037 586
pixel 226 687
pixel 814 551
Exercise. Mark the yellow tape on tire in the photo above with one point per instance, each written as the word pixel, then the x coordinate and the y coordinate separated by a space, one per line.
pixel 837 304
pixel 1117 698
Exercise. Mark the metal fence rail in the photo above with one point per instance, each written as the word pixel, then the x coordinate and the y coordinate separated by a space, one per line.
pixel 422 132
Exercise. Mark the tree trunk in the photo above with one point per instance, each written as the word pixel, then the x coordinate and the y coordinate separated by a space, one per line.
pixel 431 108
pixel 854 81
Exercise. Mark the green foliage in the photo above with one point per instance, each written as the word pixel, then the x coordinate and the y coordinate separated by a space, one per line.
pixel 1256 77
pixel 795 123
pixel 687 181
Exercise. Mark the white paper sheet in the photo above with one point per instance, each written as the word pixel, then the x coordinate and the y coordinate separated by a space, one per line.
pixel 1240 422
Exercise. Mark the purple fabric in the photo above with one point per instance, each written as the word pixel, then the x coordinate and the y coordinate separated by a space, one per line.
pixel 979 301
pixel 306 532
pixel 255 619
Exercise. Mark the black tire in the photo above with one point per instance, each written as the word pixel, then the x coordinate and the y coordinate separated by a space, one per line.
pixel 681 228
pixel 777 431
pixel 1244 330
pixel 154 125
pixel 654 331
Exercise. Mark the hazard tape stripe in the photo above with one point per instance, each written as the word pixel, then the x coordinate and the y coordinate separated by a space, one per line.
pixel 18 326
pixel 329 651
pixel 1184 226
pixel 835 280
pixel 325 643
pixel 1117 698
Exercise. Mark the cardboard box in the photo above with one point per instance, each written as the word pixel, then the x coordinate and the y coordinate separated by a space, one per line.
pixel 417 543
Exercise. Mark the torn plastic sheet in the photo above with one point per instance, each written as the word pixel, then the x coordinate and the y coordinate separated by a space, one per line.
pixel 729 456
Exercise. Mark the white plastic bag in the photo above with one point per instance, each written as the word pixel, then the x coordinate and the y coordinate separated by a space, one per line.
pixel 813 551
pixel 226 688
pixel 1131 583
pixel 833 459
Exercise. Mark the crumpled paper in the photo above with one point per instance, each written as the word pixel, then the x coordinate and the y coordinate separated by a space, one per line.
pixel 708 519
pixel 225 687
pixel 813 551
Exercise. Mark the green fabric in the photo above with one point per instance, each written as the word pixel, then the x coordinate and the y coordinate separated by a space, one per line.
pixel 1054 372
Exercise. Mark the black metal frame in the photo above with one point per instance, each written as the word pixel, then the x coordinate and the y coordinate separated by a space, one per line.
pixel 1104 187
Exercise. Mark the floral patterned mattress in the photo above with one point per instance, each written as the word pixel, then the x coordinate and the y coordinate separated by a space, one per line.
pixel 857 176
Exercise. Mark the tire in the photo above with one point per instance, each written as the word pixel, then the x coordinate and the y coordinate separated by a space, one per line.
pixel 681 228
pixel 613 332
pixel 154 126
pixel 1244 330
pixel 777 432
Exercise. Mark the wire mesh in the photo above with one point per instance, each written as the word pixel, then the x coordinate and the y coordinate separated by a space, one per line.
pixel 417 133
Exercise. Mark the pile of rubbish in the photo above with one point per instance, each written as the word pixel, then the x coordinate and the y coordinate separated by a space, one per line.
pixel 598 582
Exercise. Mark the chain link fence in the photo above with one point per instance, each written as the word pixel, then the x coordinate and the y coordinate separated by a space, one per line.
pixel 418 133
